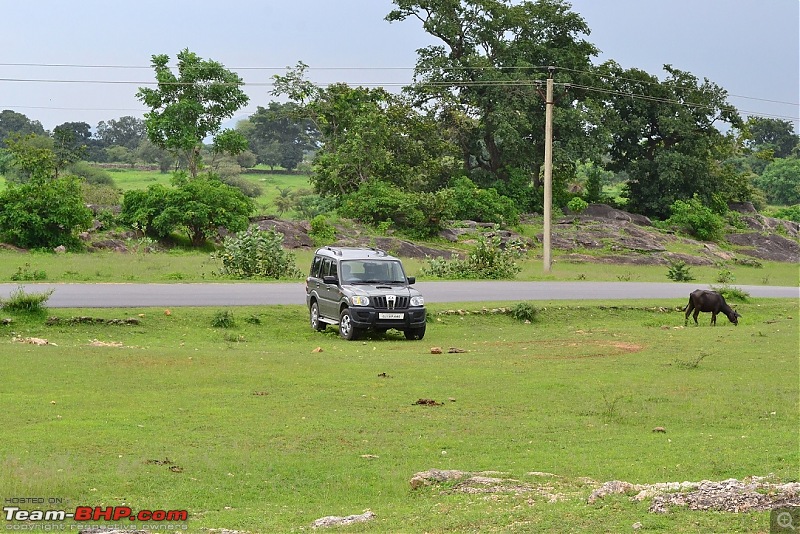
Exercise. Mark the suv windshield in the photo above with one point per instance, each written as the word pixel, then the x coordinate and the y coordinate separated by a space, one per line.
pixel 372 272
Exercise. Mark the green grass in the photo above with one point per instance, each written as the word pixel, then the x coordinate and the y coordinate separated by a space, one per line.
pixel 137 179
pixel 134 179
pixel 180 265
pixel 267 435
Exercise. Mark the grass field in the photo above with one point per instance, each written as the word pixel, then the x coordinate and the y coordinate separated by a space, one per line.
pixel 250 428
pixel 179 265
pixel 270 184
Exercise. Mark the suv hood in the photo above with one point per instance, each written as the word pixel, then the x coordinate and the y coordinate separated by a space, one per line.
pixel 371 290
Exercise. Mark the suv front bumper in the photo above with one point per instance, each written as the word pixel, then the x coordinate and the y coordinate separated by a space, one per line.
pixel 371 318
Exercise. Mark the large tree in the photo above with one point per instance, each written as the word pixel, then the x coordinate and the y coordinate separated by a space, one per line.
pixel 485 82
pixel 188 107
pixel 665 136
pixel 773 135
pixel 71 142
pixel 370 134
pixel 280 135
pixel 126 131
pixel 12 122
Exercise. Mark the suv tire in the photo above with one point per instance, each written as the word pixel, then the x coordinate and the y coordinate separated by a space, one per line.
pixel 316 324
pixel 346 328
pixel 415 333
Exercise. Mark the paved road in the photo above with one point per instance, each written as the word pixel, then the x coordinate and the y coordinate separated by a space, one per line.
pixel 246 294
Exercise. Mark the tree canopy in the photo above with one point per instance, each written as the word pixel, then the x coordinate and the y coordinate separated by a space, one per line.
pixel 280 135
pixel 484 82
pixel 188 107
pixel 664 136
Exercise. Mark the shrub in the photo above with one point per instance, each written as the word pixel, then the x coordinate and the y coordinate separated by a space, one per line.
pixel 679 272
pixel 483 205
pixel 199 206
pixel 20 301
pixel 524 311
pixel 100 195
pixel 91 174
pixel 223 319
pixel 322 232
pixel 790 213
pixel 25 274
pixel 577 205
pixel 419 213
pixel 732 293
pixel 308 205
pixel 487 260
pixel 696 219
pixel 248 188
pixel 44 213
pixel 725 276
pixel 254 253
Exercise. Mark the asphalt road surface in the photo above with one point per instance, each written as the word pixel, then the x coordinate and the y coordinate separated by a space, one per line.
pixel 254 294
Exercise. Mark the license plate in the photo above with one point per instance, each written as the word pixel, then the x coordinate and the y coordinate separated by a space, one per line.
pixel 390 315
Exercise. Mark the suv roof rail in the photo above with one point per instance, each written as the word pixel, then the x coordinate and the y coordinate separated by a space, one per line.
pixel 378 251
pixel 336 251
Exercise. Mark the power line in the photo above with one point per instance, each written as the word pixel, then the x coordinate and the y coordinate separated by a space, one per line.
pixel 435 84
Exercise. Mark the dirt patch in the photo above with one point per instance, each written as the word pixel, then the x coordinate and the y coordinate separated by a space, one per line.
pixel 626 347
pixel 603 348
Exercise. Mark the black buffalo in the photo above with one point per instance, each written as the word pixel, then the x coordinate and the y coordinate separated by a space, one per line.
pixel 702 300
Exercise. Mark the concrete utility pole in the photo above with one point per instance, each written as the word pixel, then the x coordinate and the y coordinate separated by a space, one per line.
pixel 548 167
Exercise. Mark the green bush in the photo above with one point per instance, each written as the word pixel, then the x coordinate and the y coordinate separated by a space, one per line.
pixel 524 311
pixel 418 213
pixel 781 181
pixel 25 274
pixel 732 293
pixel 20 301
pixel 482 205
pixel 308 205
pixel 223 319
pixel 487 260
pixel 254 253
pixel 696 219
pixel 725 276
pixel 199 207
pixel 679 272
pixel 44 213
pixel 790 213
pixel 577 205
pixel 91 174
pixel 248 188
pixel 322 232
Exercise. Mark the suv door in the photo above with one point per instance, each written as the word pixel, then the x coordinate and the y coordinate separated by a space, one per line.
pixel 328 293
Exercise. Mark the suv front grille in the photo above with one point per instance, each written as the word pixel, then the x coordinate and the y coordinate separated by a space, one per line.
pixel 400 303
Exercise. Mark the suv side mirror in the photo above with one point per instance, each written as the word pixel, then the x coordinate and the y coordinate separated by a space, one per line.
pixel 411 280
pixel 330 279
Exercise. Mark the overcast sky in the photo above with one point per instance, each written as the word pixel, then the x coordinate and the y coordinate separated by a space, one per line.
pixel 751 48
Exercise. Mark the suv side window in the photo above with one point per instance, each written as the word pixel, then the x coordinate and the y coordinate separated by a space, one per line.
pixel 315 265
pixel 325 269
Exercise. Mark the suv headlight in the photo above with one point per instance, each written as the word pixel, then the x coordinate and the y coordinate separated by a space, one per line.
pixel 417 301
pixel 358 300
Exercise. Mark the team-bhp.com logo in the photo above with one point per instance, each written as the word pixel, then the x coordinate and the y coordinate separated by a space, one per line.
pixel 94 514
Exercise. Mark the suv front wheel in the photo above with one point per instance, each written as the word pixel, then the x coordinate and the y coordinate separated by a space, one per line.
pixel 346 328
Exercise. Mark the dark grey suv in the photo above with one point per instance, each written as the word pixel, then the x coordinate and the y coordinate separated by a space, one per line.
pixel 363 289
